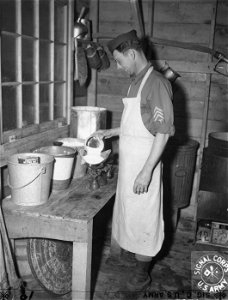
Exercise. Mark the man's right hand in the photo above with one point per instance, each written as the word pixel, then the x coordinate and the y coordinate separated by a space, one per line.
pixel 106 133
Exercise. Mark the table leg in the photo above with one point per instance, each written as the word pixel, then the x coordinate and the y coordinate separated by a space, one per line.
pixel 81 267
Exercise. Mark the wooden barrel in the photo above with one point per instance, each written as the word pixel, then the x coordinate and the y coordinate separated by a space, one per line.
pixel 218 143
pixel 214 173
pixel 179 166
pixel 22 262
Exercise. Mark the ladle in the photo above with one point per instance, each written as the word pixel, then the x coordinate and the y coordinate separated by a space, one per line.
pixel 80 30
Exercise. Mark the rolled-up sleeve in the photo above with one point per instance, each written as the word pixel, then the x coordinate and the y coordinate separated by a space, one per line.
pixel 161 108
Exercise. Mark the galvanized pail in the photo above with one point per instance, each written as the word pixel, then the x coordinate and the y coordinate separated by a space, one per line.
pixel 30 178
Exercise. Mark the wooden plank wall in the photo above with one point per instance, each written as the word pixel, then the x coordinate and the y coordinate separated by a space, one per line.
pixel 189 21
pixel 184 21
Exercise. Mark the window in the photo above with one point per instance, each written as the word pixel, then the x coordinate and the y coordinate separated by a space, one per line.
pixel 36 65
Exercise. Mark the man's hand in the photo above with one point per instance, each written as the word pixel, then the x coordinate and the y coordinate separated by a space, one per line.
pixel 143 179
pixel 106 133
pixel 142 182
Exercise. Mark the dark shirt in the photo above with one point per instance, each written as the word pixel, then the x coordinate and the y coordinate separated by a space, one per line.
pixel 156 101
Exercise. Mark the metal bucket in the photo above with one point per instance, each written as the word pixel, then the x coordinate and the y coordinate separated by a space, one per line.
pixel 64 160
pixel 85 120
pixel 30 178
pixel 218 143
pixel 179 166
pixel 214 172
pixel 75 143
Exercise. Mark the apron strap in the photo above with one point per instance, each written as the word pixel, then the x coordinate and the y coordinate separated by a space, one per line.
pixel 144 80
pixel 128 90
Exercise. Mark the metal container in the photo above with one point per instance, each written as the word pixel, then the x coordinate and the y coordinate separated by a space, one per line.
pixel 63 165
pixel 214 172
pixel 30 177
pixel 169 73
pixel 79 169
pixel 179 166
pixel 80 26
pixel 85 120
pixel 218 143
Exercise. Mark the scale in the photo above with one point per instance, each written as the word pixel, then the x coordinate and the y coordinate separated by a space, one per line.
pixel 99 175
pixel 99 166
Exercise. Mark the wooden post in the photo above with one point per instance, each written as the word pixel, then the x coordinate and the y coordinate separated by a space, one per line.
pixel 1 112
pixel 70 59
pixel 206 107
pixel 52 58
pixel 92 89
pixel 37 63
pixel 150 17
pixel 138 17
pixel 19 64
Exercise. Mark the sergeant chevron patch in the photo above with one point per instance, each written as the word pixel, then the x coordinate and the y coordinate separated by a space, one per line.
pixel 158 115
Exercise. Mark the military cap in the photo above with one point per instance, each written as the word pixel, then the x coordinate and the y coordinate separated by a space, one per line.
pixel 128 36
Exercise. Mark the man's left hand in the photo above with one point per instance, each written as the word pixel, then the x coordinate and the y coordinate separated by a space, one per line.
pixel 142 182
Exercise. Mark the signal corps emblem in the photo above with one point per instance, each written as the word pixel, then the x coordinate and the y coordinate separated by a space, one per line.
pixel 209 272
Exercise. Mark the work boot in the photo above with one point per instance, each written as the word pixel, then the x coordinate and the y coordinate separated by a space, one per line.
pixel 126 259
pixel 140 279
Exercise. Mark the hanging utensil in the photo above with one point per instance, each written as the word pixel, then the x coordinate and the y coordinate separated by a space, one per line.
pixel 80 29
pixel 169 73
pixel 93 57
pixel 222 65
pixel 105 63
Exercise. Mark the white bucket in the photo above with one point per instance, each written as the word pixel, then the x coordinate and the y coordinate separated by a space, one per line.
pixel 30 180
pixel 64 160
pixel 75 143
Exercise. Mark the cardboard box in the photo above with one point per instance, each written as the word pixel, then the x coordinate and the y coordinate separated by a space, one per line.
pixel 219 233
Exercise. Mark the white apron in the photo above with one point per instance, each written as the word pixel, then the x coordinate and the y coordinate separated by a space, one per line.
pixel 137 224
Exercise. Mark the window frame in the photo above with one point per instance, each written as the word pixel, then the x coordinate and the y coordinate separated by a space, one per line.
pixel 12 136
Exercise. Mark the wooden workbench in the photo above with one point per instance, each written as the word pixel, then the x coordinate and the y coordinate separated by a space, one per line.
pixel 67 216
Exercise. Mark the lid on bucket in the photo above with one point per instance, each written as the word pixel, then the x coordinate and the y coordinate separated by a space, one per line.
pixel 57 151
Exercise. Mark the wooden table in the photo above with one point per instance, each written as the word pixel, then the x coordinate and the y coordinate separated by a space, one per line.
pixel 67 216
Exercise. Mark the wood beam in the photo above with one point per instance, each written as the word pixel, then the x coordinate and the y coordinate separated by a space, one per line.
pixel 92 88
pixel 206 107
pixel 70 48
pixel 150 17
pixel 138 17
pixel 1 112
